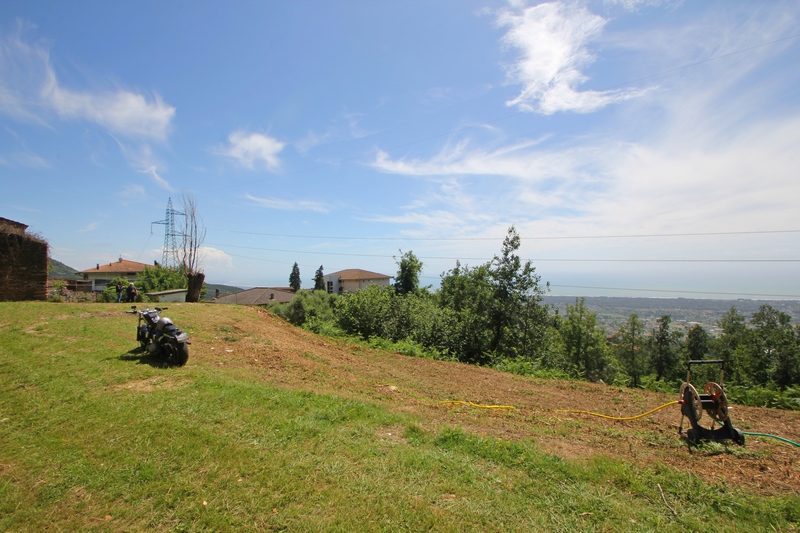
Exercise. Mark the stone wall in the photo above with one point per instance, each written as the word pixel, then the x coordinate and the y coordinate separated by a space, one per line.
pixel 23 265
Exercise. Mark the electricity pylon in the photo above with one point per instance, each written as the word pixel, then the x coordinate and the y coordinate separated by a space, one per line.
pixel 169 258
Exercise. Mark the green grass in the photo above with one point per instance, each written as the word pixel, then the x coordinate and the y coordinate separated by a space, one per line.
pixel 91 440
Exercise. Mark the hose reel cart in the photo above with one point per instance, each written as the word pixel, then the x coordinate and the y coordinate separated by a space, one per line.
pixel 715 404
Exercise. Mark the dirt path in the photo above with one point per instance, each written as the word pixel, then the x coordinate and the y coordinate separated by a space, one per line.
pixel 287 356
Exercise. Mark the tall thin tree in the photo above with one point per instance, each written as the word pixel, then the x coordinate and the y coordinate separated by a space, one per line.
pixel 191 257
pixel 294 278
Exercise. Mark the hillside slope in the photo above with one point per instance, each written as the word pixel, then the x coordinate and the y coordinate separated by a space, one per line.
pixel 279 353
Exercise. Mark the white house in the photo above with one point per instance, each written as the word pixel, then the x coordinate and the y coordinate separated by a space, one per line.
pixel 101 275
pixel 353 280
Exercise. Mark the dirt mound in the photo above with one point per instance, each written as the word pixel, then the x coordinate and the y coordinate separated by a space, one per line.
pixel 287 356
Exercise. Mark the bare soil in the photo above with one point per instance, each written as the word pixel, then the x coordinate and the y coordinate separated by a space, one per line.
pixel 287 356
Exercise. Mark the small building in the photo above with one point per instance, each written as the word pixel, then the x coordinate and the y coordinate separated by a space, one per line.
pixel 257 296
pixel 174 295
pixel 353 280
pixel 23 263
pixel 101 275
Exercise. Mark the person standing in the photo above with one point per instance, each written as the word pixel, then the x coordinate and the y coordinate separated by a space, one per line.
pixel 131 293
pixel 119 291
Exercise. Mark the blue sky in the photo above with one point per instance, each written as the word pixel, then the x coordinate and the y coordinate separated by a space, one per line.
pixel 640 148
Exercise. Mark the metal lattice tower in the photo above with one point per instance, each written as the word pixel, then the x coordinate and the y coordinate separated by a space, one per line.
pixel 169 257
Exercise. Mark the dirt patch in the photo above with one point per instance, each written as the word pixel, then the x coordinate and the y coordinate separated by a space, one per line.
pixel 286 356
pixel 150 385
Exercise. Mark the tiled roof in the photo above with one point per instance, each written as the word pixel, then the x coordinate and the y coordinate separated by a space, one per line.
pixel 123 265
pixel 257 296
pixel 358 274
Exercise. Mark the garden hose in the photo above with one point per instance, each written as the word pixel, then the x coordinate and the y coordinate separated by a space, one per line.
pixel 651 411
pixel 793 443
pixel 619 417
pixel 462 402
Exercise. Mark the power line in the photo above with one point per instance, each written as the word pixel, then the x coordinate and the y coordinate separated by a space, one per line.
pixel 534 260
pixel 549 238
pixel 677 291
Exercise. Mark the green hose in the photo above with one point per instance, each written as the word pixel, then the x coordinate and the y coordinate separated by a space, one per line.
pixel 793 443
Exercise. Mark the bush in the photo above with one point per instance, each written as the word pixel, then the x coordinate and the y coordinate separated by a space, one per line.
pixel 312 310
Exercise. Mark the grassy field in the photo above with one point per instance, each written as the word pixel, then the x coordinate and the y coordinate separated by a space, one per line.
pixel 93 437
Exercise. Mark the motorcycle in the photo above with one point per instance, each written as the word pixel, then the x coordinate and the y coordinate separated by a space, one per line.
pixel 158 335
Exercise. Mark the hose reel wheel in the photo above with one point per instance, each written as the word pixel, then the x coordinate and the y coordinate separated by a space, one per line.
pixel 696 405
pixel 719 410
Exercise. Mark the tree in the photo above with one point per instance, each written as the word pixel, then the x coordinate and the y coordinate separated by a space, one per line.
pixel 584 344
pixel 319 280
pixel 731 344
pixel 630 350
pixel 661 344
pixel 194 233
pixel 408 269
pixel 774 348
pixel 159 278
pixel 518 321
pixel 294 278
pixel 697 343
pixel 465 298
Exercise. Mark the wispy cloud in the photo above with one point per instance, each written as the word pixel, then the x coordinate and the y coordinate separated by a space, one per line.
pixel 344 128
pixel 31 91
pixel 132 191
pixel 552 42
pixel 143 161
pixel 152 171
pixel 252 150
pixel 287 205
pixel 91 226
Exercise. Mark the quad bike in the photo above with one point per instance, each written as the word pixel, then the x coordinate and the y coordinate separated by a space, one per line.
pixel 158 335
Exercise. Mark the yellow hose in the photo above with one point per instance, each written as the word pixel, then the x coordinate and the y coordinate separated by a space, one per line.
pixel 620 417
pixel 462 402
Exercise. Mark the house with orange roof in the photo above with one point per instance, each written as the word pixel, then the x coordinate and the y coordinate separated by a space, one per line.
pixel 353 280
pixel 101 275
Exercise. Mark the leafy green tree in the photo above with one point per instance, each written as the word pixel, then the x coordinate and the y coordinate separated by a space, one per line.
pixel 774 349
pixel 697 343
pixel 408 269
pixel 584 343
pixel 662 345
pixel 159 278
pixel 518 321
pixel 367 313
pixel 465 298
pixel 319 280
pixel 294 278
pixel 731 344
pixel 630 349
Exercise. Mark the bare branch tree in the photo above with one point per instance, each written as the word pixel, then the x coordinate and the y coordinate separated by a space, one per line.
pixel 194 233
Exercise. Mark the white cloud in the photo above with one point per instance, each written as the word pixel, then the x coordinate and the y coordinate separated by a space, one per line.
pixel 252 149
pixel 552 40
pixel 30 91
pixel 152 171
pixel 288 205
